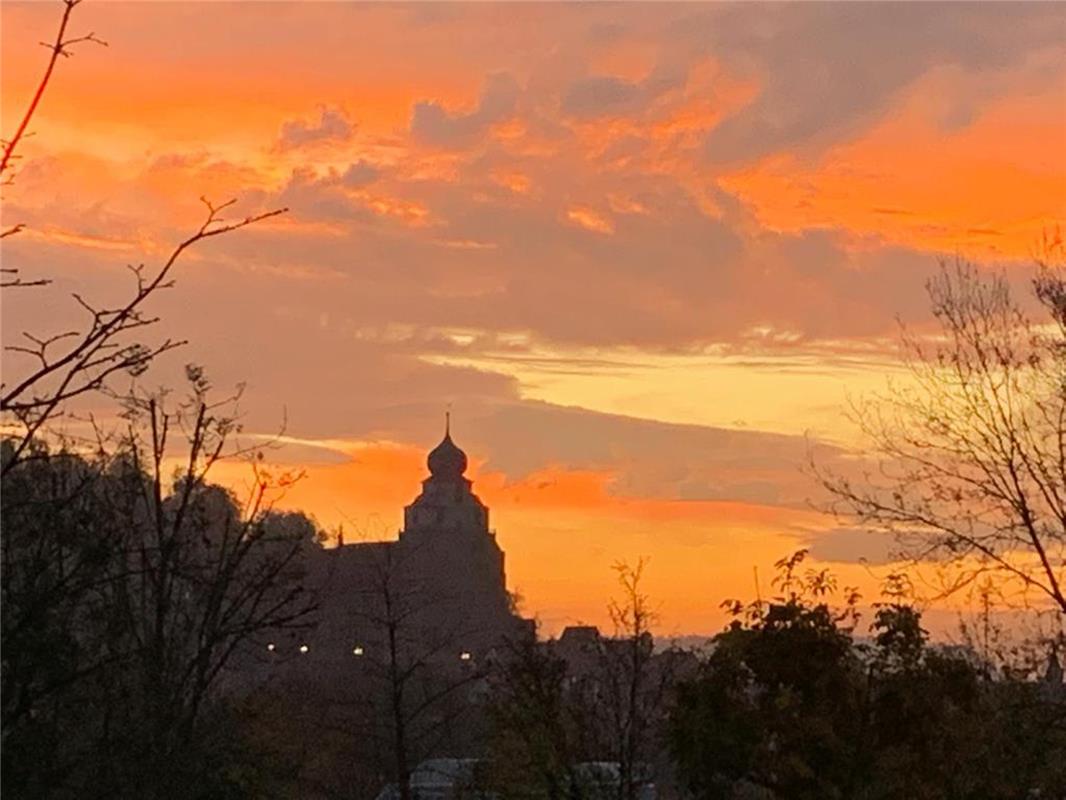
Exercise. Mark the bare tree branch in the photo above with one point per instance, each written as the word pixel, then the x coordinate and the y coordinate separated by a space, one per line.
pixel 60 46
pixel 970 454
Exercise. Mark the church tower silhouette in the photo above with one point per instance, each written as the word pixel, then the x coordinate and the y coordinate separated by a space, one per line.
pixel 447 501
pixel 447 540
pixel 442 578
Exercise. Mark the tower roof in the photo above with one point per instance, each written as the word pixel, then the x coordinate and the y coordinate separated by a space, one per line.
pixel 446 460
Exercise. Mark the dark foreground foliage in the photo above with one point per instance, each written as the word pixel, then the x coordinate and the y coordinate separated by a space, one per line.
pixel 128 603
pixel 791 704
pixel 134 609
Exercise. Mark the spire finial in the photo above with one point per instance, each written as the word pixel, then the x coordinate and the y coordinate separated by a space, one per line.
pixel 446 460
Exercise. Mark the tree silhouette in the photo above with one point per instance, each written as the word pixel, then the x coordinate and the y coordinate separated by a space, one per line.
pixel 970 469
pixel 45 371
pixel 128 590
pixel 791 703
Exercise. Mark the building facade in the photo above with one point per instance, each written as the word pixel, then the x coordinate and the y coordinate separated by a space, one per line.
pixel 437 592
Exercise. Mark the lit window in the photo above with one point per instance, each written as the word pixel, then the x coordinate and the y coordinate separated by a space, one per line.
pixel 465 656
pixel 357 651
pixel 270 647
pixel 304 648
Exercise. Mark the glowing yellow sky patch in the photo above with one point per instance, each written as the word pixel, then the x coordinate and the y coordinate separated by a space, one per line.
pixel 777 394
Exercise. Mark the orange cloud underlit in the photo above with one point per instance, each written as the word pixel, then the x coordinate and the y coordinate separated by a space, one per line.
pixel 990 188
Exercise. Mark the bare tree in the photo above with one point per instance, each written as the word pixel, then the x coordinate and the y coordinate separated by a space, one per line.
pixel 970 450
pixel 633 695
pixel 211 574
pixel 60 46
pixel 404 692
pixel 541 727
pixel 57 367
pixel 131 589
pixel 66 365
pixel 584 717
pixel 128 590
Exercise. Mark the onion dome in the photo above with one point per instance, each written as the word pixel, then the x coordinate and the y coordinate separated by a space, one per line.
pixel 446 460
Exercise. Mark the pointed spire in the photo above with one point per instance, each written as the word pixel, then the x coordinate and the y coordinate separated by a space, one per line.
pixel 446 460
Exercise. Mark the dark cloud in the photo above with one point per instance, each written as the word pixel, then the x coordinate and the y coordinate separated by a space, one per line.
pixel 359 173
pixel 350 373
pixel 828 70
pixel 716 279
pixel 311 195
pixel 854 546
pixel 605 95
pixel 669 277
pixel 606 32
pixel 332 125
pixel 649 458
pixel 432 124
pixel 596 96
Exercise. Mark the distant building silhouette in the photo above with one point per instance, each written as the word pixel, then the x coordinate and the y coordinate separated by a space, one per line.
pixel 441 584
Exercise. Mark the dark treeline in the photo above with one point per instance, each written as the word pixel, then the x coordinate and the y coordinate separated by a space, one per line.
pixel 129 593
pixel 137 610
pixel 794 703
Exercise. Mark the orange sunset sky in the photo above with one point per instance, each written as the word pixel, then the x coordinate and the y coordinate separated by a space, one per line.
pixel 644 251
